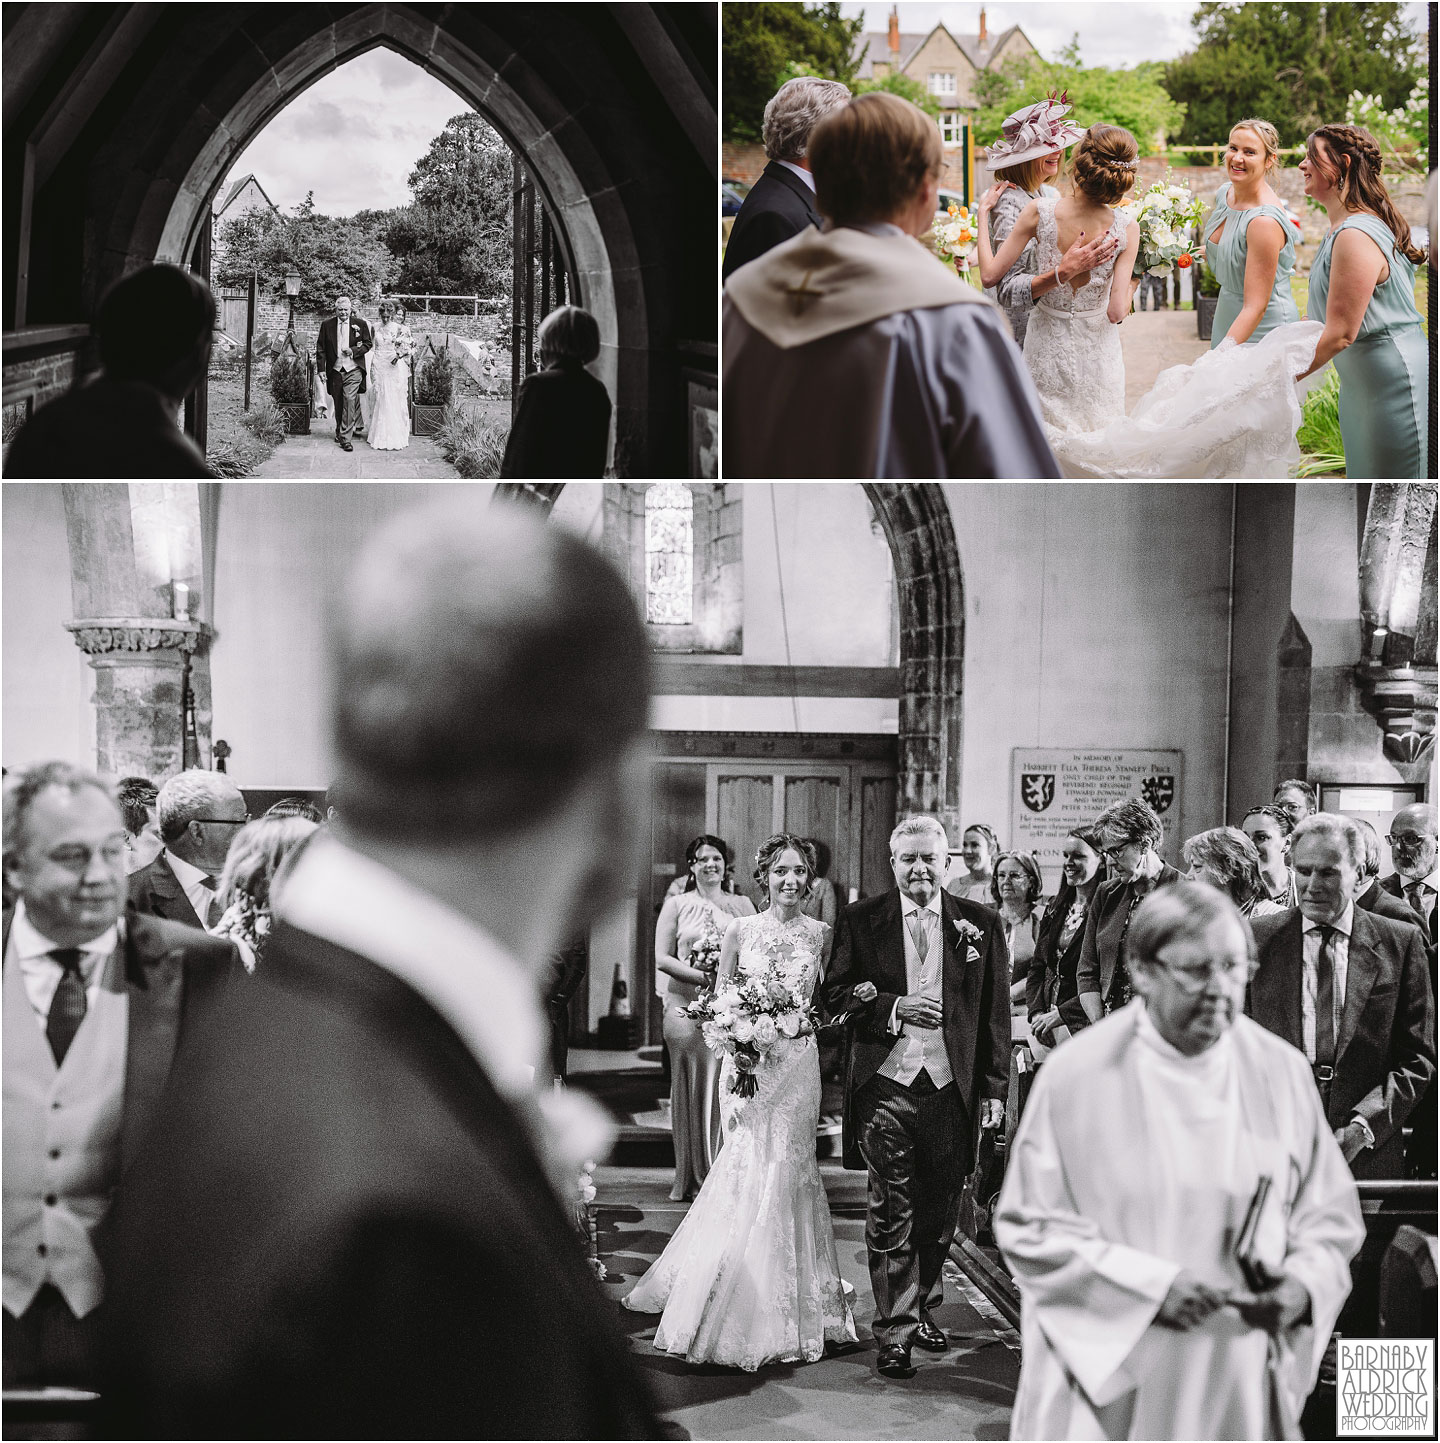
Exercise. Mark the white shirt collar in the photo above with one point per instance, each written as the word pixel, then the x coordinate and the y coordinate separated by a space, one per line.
pixel 908 907
pixel 459 969
pixel 187 874
pixel 1341 924
pixel 800 171
pixel 27 943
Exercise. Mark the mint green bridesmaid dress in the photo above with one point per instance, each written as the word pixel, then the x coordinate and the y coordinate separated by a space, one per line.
pixel 1385 373
pixel 1227 256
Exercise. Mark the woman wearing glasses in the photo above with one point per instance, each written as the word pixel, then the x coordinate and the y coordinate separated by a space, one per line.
pixel 1130 838
pixel 199 814
pixel 1150 1309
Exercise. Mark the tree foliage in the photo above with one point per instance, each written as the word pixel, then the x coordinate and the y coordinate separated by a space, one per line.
pixel 455 239
pixel 904 87
pixel 1134 97
pixel 764 44
pixel 1296 65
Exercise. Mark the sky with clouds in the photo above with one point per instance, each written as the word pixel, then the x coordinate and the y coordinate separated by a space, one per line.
pixel 352 138
pixel 1112 32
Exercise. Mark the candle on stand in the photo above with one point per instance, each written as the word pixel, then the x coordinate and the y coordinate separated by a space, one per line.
pixel 181 601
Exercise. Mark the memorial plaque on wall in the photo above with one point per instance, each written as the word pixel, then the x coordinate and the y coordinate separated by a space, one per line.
pixel 1053 789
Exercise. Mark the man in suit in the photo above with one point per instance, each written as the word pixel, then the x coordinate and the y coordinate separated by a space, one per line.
pixel 199 814
pixel 1351 990
pixel 1372 897
pixel 926 980
pixel 782 202
pixel 358 1217
pixel 155 327
pixel 95 1005
pixel 340 347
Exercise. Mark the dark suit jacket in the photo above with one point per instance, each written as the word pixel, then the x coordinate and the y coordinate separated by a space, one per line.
pixel 1051 978
pixel 327 349
pixel 141 437
pixel 779 205
pixel 975 998
pixel 1385 1048
pixel 1384 904
pixel 1394 886
pixel 561 427
pixel 156 891
pixel 1105 930
pixel 173 976
pixel 357 1238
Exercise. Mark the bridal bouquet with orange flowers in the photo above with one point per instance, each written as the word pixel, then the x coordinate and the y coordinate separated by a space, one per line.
pixel 955 235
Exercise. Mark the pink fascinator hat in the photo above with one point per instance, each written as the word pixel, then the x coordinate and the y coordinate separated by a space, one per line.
pixel 1036 130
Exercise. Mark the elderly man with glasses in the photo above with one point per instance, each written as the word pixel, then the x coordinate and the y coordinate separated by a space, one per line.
pixel 199 814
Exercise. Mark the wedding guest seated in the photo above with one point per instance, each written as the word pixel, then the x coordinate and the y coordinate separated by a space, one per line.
pixel 1142 1316
pixel 154 328
pixel 244 893
pixel 1269 828
pixel 782 202
pixel 1226 858
pixel 562 424
pixel 1297 799
pixel 852 352
pixel 136 796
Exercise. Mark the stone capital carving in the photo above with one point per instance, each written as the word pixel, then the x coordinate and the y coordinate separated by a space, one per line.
pixel 1402 701
pixel 110 635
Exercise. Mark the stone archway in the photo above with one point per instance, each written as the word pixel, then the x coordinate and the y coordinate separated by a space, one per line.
pixel 931 594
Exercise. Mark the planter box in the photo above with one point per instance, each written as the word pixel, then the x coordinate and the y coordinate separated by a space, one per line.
pixel 297 417
pixel 1205 315
pixel 426 420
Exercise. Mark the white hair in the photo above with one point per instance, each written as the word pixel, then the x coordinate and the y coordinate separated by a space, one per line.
pixel 919 827
pixel 191 795
pixel 795 110
pixel 1338 828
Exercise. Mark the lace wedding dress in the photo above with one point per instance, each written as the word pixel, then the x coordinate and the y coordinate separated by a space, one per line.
pixel 387 427
pixel 751 1275
pixel 1071 346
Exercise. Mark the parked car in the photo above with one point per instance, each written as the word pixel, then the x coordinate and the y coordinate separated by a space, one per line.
pixel 732 196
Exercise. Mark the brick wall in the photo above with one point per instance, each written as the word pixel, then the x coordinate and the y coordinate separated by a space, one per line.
pixel 44 378
pixel 742 160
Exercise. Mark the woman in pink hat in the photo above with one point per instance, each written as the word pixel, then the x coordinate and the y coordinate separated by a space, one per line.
pixel 1026 158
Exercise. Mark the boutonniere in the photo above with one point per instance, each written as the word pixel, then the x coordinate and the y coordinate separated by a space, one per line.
pixel 968 930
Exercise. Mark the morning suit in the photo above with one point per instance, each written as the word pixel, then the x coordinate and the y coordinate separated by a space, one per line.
pixel 361 1240
pixel 916 1136
pixel 345 387
pixel 561 427
pixel 778 206
pixel 1385 1039
pixel 1106 926
pixel 74 1127
pixel 156 891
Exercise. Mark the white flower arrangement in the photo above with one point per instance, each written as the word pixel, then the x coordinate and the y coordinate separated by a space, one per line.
pixel 955 237
pixel 1164 214
pixel 749 1014
pixel 969 931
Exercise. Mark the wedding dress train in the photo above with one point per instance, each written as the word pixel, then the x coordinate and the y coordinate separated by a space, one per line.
pixel 751 1275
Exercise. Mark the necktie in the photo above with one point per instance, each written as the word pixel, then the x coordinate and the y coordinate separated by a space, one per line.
pixel 1415 895
pixel 209 884
pixel 1325 1001
pixel 921 935
pixel 67 1007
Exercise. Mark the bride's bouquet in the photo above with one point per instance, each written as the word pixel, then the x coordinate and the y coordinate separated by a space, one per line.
pixel 1164 214
pixel 746 1018
pixel 955 236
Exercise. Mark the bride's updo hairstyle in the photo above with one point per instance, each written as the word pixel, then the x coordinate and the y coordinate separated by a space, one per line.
pixel 1353 168
pixel 1103 163
pixel 870 157
pixel 771 847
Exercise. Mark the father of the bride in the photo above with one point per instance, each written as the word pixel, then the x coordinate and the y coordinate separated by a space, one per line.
pixel 340 349
pixel 925 978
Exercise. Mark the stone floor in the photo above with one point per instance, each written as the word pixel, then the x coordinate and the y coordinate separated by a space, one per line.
pixel 317 457
pixel 1152 341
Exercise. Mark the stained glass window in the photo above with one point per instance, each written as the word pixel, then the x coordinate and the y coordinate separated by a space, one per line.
pixel 669 554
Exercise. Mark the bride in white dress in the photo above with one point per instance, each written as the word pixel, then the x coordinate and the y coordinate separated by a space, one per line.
pixel 387 426
pixel 751 1275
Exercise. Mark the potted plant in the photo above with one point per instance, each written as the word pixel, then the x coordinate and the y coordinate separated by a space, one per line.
pixel 290 386
pixel 434 385
pixel 1207 297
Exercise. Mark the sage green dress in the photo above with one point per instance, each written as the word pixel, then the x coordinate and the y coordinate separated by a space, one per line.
pixel 1227 256
pixel 1385 373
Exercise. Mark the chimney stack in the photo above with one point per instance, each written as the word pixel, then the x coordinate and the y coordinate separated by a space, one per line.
pixel 984 34
pixel 895 37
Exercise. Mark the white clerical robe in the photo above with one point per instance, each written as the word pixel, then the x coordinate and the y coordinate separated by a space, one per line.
pixel 1133 1161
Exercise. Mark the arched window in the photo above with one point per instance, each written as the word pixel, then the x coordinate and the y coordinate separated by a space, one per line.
pixel 669 554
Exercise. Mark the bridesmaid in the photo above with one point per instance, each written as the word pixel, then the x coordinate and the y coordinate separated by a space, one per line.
pixel 1362 286
pixel 694 918
pixel 1250 242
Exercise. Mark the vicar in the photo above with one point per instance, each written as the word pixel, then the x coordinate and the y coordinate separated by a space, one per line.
pixel 855 352
pixel 925 980
pixel 782 202
pixel 95 1007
